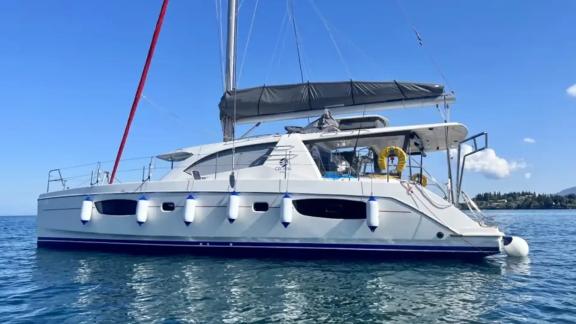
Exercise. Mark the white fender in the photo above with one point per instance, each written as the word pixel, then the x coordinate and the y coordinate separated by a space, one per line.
pixel 189 210
pixel 142 210
pixel 515 246
pixel 233 207
pixel 287 208
pixel 372 213
pixel 86 211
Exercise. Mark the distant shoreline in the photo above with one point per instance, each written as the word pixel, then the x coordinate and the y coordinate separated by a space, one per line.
pixel 524 201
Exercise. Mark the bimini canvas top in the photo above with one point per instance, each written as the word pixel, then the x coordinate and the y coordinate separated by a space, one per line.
pixel 311 99
pixel 424 138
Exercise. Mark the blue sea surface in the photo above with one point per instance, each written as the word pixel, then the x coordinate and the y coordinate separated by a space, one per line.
pixel 48 286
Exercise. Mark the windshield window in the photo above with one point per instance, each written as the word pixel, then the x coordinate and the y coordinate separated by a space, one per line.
pixel 343 161
pixel 352 156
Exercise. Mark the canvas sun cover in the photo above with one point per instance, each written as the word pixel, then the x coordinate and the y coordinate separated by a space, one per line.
pixel 312 98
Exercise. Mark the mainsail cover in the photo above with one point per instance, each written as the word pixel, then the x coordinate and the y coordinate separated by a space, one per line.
pixel 315 97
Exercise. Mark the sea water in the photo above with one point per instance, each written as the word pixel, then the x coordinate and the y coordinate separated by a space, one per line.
pixel 40 285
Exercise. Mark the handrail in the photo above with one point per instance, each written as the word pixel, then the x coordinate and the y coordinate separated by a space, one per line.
pixel 95 174
pixel 58 179
pixel 432 179
pixel 479 216
pixel 461 162
pixel 471 204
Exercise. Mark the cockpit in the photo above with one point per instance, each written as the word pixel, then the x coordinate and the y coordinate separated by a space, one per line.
pixel 380 152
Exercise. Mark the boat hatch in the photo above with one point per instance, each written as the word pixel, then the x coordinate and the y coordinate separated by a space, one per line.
pixel 175 156
pixel 362 122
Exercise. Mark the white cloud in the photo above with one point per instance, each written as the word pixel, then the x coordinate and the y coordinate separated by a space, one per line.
pixel 488 163
pixel 527 175
pixel 529 140
pixel 571 91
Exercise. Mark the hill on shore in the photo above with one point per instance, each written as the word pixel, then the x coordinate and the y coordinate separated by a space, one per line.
pixel 569 191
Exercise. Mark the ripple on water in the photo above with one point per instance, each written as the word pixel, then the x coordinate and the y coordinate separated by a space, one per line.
pixel 52 286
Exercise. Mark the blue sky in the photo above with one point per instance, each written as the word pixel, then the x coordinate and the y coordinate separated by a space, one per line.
pixel 69 69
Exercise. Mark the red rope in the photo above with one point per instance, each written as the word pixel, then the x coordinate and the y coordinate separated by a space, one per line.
pixel 140 88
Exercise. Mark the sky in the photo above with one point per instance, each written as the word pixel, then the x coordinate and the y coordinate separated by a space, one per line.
pixel 69 70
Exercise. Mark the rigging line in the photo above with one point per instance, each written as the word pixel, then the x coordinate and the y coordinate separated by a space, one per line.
pixel 163 109
pixel 248 39
pixel 179 120
pixel 356 143
pixel 367 58
pixel 420 41
pixel 218 5
pixel 290 3
pixel 305 62
pixel 277 45
pixel 330 34
pixel 306 66
pixel 442 114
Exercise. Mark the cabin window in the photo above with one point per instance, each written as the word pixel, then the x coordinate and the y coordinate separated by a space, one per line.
pixel 117 207
pixel 168 206
pixel 246 157
pixel 331 208
pixel 260 206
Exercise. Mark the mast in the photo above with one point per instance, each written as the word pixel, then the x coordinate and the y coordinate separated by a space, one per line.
pixel 231 46
pixel 228 122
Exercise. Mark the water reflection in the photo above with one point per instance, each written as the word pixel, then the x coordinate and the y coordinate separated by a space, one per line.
pixel 292 297
pixel 77 287
pixel 516 266
pixel 117 287
pixel 192 291
pixel 143 281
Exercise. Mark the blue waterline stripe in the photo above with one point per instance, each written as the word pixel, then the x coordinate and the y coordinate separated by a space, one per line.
pixel 281 245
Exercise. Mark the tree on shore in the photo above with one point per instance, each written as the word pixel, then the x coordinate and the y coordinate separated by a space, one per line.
pixel 524 200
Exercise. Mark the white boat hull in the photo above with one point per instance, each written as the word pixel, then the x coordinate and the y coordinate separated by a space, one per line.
pixel 404 229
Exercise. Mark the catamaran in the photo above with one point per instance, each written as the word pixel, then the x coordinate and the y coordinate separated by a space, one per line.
pixel 341 185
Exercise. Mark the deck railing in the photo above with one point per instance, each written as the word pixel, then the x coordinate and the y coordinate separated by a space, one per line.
pixel 95 174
